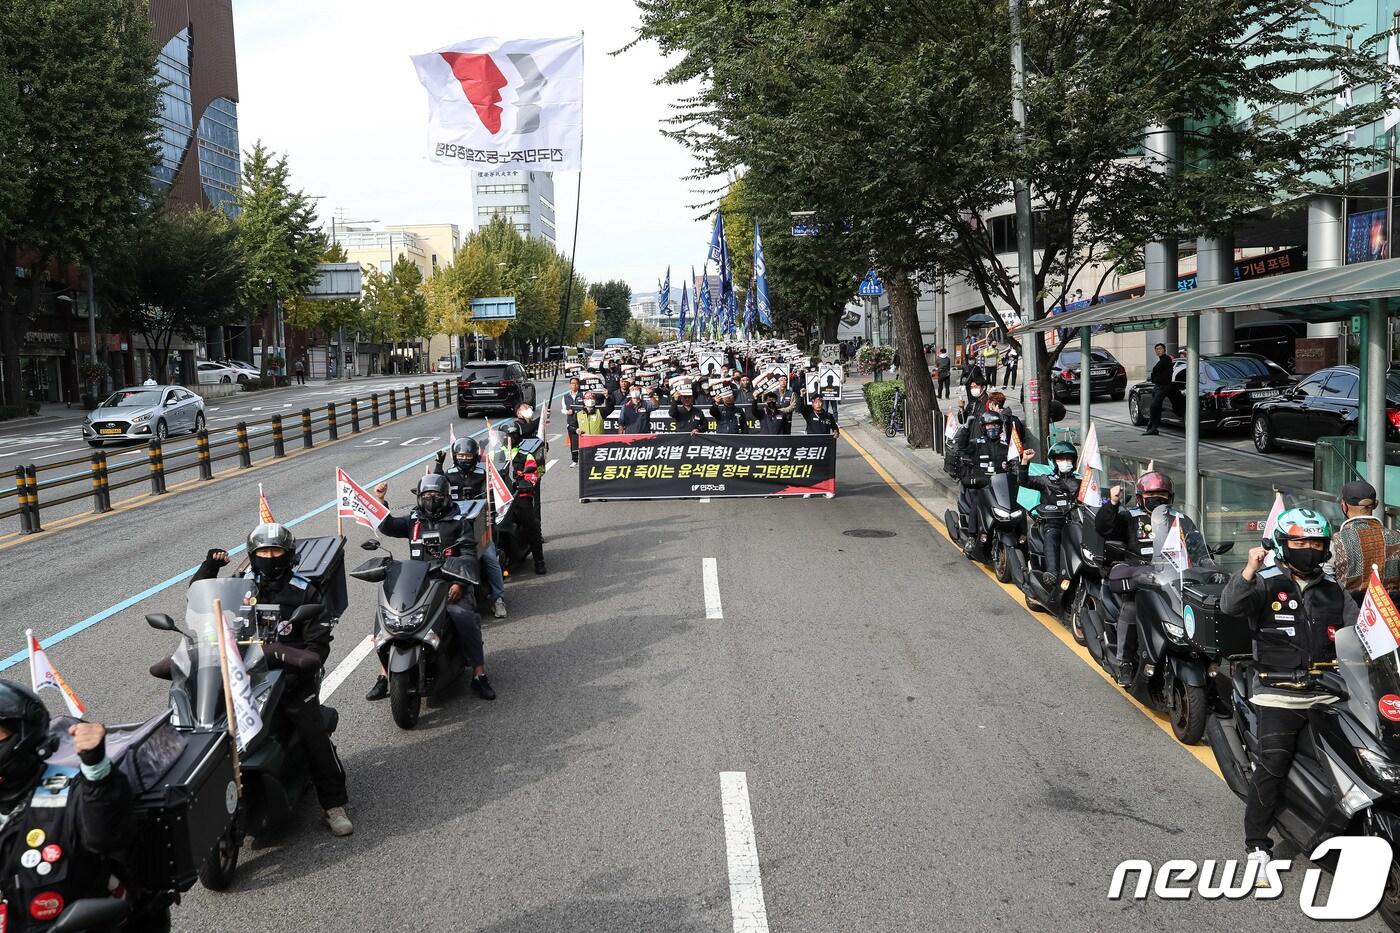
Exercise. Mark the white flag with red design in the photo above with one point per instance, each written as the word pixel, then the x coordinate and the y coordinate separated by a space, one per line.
pixel 1271 526
pixel 1014 446
pixel 1174 548
pixel 249 722
pixel 1378 622
pixel 43 675
pixel 500 489
pixel 505 103
pixel 353 501
pixel 1090 463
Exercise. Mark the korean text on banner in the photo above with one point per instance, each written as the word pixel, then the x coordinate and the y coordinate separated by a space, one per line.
pixel 1378 622
pixel 353 501
pixel 249 722
pixel 505 103
pixel 687 466
pixel 43 675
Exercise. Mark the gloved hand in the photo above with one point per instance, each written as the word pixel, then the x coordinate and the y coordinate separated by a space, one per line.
pixel 217 556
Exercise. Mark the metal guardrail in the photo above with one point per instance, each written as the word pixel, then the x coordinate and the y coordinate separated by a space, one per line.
pixel 202 455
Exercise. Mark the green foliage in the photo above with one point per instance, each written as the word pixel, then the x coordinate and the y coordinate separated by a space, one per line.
pixel 277 233
pixel 616 296
pixel 394 306
pixel 640 335
pixel 879 399
pixel 180 274
pixel 873 359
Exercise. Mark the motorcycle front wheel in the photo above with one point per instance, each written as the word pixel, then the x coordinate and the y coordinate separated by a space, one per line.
pixel 1001 560
pixel 1390 901
pixel 405 702
pixel 218 870
pixel 1188 713
pixel 1076 614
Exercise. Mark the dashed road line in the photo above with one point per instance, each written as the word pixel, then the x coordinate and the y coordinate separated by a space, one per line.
pixel 709 571
pixel 741 849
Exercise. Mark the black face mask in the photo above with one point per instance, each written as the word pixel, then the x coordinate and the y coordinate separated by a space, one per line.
pixel 433 506
pixel 272 568
pixel 1150 503
pixel 1304 561
pixel 466 466
pixel 20 772
pixel 992 434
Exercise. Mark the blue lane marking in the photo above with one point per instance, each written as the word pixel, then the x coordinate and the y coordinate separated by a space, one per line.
pixel 130 601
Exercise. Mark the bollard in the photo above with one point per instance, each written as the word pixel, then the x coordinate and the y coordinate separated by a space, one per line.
pixel 306 427
pixel 156 462
pixel 95 469
pixel 330 421
pixel 423 397
pixel 279 449
pixel 245 456
pixel 393 405
pixel 408 401
pixel 437 400
pixel 355 415
pixel 22 497
pixel 32 482
pixel 201 452
pixel 374 409
pixel 104 504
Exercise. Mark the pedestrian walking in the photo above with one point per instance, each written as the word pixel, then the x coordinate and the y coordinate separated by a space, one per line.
pixel 1161 379
pixel 301 373
pixel 1012 361
pixel 571 404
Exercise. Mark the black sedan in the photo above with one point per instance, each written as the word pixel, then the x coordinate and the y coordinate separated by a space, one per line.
pixel 1231 385
pixel 1324 404
pixel 1106 375
pixel 493 387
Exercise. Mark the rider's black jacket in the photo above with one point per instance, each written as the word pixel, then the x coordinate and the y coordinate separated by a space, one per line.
pixel 688 419
pixel 1057 493
pixel 466 484
pixel 455 537
pixel 1292 625
pixel 981 457
pixel 1131 527
pixel 729 419
pixel 89 822
pixel 300 646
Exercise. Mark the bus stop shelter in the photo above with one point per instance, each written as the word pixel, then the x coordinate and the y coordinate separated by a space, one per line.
pixel 1366 290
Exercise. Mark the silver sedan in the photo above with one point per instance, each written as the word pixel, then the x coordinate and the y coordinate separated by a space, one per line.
pixel 140 413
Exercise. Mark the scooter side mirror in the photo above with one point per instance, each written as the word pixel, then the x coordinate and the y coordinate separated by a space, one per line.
pixel 91 913
pixel 1223 548
pixel 306 612
pixel 372 571
pixel 371 545
pixel 161 622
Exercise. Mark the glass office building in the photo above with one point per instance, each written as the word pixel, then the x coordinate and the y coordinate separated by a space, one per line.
pixel 213 150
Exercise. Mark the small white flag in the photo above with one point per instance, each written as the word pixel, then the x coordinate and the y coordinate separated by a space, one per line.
pixel 1090 463
pixel 500 489
pixel 1174 548
pixel 352 501
pixel 249 722
pixel 44 675
pixel 1014 446
pixel 1378 623
pixel 1271 526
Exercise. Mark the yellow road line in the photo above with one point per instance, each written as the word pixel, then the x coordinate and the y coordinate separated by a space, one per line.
pixel 1202 753
pixel 15 539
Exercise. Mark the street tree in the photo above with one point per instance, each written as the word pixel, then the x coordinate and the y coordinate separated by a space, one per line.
pixel 327 316
pixel 615 298
pixel 394 306
pixel 179 275
pixel 78 107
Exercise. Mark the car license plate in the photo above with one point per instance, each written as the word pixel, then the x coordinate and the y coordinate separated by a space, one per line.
pixel 1098 372
pixel 484 391
pixel 109 431
pixel 1263 393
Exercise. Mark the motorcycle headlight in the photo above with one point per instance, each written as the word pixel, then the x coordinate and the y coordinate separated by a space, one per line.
pixel 1005 514
pixel 141 419
pixel 1087 554
pixel 406 622
pixel 1384 771
pixel 1177 632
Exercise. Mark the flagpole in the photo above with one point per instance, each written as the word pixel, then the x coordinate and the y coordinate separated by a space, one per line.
pixel 228 695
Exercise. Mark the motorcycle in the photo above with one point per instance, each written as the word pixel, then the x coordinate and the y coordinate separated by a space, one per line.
pixel 1181 630
pixel 416 642
pixel 1345 776
pixel 993 532
pixel 1080 573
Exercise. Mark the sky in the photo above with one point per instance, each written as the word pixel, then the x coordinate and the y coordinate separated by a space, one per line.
pixel 329 84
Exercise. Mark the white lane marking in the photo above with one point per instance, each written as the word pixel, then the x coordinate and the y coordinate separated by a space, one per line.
pixel 704 500
pixel 553 437
pixel 745 876
pixel 346 667
pixel 550 465
pixel 710 572
pixel 22 450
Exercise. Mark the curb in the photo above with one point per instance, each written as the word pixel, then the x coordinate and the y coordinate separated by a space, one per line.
pixel 935 476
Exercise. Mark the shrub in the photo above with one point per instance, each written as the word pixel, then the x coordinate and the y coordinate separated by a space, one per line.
pixel 879 398
pixel 873 359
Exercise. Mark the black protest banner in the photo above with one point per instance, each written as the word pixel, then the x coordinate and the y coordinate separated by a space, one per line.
pixel 691 466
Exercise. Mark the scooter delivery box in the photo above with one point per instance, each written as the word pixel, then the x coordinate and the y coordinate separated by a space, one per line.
pixel 322 561
pixel 1218 634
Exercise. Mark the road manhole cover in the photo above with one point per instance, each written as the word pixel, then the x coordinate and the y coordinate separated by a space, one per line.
pixel 868 533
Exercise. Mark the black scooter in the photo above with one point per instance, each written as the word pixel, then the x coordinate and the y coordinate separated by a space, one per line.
pixel 1082 575
pixel 994 530
pixel 416 642
pixel 1345 777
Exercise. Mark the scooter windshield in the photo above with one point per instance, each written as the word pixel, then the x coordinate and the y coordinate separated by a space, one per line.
pixel 1165 541
pixel 404 582
pixel 1373 686
pixel 196 661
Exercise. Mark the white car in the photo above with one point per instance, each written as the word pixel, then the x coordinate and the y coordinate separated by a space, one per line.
pixel 139 413
pixel 444 365
pixel 209 372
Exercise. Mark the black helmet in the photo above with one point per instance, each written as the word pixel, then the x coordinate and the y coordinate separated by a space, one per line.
pixel 22 755
pixel 466 452
pixel 270 534
pixel 434 495
pixel 512 432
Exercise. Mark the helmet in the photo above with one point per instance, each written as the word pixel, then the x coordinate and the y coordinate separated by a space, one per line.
pixel 270 534
pixel 1154 485
pixel 1062 450
pixel 1302 525
pixel 434 495
pixel 991 418
pixel 22 755
pixel 512 431
pixel 466 451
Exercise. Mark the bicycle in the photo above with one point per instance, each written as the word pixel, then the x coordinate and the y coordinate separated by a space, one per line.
pixel 895 425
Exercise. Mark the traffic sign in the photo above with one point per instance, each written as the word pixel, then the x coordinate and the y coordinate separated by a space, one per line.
pixel 805 230
pixel 870 286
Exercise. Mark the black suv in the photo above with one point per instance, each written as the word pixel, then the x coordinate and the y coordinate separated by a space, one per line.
pixel 1106 375
pixel 1325 404
pixel 1231 385
pixel 498 385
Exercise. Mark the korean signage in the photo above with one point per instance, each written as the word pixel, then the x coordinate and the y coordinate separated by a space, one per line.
pixel 687 466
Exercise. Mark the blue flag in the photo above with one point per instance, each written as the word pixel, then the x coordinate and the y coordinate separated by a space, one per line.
pixel 707 303
pixel 760 281
pixel 750 310
pixel 719 253
pixel 685 310
pixel 731 313
pixel 663 298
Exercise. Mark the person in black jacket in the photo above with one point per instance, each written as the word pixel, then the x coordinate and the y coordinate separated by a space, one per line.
pixel 78 823
pixel 983 455
pixel 728 417
pixel 686 414
pixel 786 400
pixel 1291 609
pixel 467 479
pixel 1162 386
pixel 300 648
pixel 634 417
pixel 944 370
pixel 1057 494
pixel 814 410
pixel 767 413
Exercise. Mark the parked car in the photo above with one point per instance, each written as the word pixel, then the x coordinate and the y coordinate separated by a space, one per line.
pixel 139 413
pixel 1231 384
pixel 1272 339
pixel 501 384
pixel 242 366
pixel 444 364
pixel 1106 375
pixel 1324 404
pixel 211 372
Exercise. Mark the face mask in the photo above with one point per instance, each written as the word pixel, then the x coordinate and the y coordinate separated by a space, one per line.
pixel 976 391
pixel 1305 561
pixel 1064 466
pixel 589 403
pixel 432 504
pixel 992 434
pixel 271 567
pixel 527 413
pixel 465 464
pixel 1150 503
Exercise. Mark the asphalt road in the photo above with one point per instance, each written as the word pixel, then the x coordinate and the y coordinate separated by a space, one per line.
pixel 917 752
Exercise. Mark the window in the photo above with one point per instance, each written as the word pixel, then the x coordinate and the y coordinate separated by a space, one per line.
pixel 1238 368
pixel 1311 387
pixel 493 210
pixel 1342 386
pixel 502 189
pixel 386 266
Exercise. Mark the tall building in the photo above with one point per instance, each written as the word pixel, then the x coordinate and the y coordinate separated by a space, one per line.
pixel 199 153
pixel 526 199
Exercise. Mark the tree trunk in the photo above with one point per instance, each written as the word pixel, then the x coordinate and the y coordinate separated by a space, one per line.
pixel 921 404
pixel 11 332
